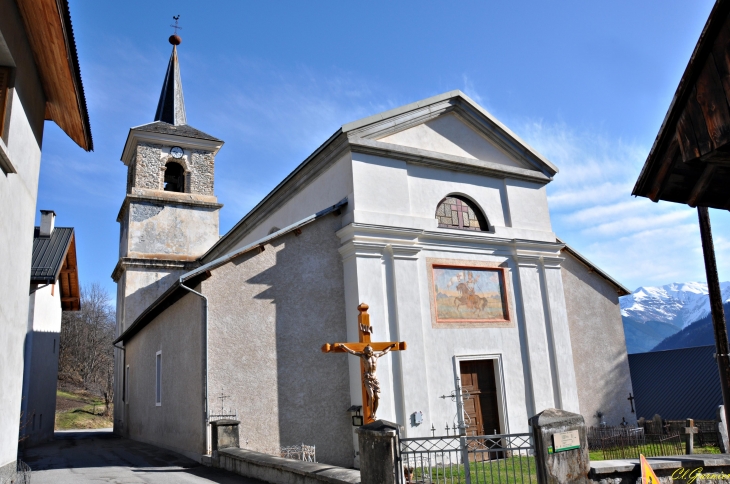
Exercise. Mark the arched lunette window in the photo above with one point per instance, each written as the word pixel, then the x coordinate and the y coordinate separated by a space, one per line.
pixel 457 212
pixel 174 177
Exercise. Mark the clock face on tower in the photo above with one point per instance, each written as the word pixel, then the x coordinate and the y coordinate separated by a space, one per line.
pixel 176 152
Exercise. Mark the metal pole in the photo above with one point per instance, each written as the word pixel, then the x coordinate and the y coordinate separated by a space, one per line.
pixel 718 313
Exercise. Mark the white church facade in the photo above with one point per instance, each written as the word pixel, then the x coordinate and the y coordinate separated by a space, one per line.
pixel 434 214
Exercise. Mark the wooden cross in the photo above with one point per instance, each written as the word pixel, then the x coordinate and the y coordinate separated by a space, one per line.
pixel 631 400
pixel 364 330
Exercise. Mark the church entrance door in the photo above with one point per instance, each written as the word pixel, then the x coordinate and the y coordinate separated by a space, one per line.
pixel 477 377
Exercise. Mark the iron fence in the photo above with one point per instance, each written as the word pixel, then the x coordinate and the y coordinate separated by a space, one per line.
pixel 482 459
pixel 306 453
pixel 629 442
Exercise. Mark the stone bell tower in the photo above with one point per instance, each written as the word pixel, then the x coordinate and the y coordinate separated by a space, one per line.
pixel 169 217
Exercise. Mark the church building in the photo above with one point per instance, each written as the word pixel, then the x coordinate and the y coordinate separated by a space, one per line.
pixel 434 214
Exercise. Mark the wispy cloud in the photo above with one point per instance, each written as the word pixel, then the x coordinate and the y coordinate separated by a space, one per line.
pixel 635 240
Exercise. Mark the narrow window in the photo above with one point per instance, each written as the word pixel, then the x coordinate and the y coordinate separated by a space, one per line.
pixel 158 386
pixel 456 212
pixel 125 387
pixel 54 346
pixel 174 177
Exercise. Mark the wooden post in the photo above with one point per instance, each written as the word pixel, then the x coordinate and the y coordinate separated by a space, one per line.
pixel 718 313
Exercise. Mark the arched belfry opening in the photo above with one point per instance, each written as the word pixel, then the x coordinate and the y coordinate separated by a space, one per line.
pixel 174 177
pixel 458 212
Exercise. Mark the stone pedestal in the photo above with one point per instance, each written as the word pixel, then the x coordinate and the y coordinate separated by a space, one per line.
pixel 722 437
pixel 378 452
pixel 224 434
pixel 561 447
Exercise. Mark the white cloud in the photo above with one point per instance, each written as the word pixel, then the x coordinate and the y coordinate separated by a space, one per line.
pixel 638 242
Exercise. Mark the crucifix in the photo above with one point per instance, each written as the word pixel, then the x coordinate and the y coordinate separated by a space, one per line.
pixel 631 400
pixel 369 352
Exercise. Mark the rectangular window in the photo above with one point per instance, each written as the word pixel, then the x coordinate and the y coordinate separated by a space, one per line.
pixel 125 387
pixel 158 386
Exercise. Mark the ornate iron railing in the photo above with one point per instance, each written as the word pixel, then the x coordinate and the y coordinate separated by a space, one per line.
pixel 482 459
pixel 307 453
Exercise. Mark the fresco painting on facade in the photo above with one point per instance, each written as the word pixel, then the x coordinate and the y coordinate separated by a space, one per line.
pixel 469 294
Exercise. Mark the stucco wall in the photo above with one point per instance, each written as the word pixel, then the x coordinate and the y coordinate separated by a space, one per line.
pixel 178 423
pixel 18 198
pixel 40 375
pixel 270 313
pixel 599 345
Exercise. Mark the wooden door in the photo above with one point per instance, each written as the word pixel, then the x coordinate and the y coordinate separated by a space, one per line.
pixel 477 377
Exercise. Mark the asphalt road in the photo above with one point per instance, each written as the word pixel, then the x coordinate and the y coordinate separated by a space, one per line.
pixel 98 456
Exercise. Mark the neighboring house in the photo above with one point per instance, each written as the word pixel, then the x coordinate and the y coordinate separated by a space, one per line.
pixel 434 214
pixel 39 80
pixel 676 384
pixel 54 287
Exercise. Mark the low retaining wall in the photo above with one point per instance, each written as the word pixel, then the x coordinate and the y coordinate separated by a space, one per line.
pixel 278 470
pixel 682 468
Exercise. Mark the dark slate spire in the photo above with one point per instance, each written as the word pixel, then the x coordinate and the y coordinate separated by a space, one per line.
pixel 171 108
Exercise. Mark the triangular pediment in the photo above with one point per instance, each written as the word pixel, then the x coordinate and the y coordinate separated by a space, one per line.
pixel 454 125
pixel 450 135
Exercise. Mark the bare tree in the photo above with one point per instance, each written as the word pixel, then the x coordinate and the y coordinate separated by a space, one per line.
pixel 86 355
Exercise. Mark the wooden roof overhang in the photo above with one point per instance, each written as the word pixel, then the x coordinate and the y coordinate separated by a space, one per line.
pixel 68 280
pixel 48 25
pixel 690 160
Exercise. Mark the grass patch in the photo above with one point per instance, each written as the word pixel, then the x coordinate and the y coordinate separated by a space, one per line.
pixel 80 411
pixel 511 469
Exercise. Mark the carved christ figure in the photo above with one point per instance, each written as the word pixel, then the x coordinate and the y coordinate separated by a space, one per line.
pixel 370 362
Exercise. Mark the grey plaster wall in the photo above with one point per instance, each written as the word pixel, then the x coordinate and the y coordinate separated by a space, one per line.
pixel 599 346
pixel 270 312
pixel 143 286
pixel 178 423
pixel 18 194
pixel 40 414
pixel 169 229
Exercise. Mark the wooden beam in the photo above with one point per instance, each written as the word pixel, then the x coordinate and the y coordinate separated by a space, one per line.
pixel 711 98
pixel 701 185
pixel 664 169
pixel 332 348
pixel 693 108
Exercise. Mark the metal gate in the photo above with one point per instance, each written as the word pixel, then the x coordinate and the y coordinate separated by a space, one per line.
pixel 482 459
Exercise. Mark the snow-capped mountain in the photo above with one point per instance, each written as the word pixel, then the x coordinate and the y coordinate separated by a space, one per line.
pixel 678 303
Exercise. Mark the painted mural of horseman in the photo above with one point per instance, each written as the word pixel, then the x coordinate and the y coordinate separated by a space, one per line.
pixel 467 296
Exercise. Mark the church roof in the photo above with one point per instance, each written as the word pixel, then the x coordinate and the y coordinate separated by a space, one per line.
pixel 194 277
pixel 171 107
pixel 163 127
pixel 620 288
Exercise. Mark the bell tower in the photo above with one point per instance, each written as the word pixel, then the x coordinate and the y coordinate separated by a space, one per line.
pixel 169 217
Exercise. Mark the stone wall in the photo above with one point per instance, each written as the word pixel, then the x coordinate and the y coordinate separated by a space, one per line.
pixel 599 346
pixel 147 170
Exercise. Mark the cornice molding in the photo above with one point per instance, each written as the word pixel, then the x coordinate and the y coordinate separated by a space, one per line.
pixel 135 137
pixel 445 161
pixel 367 250
pixel 125 263
pixel 184 199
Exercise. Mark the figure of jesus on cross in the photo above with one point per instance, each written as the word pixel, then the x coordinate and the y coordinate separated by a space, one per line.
pixel 369 353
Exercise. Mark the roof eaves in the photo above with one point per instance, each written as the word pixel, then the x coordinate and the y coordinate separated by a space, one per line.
pixel 200 273
pixel 620 287
pixel 686 82
pixel 73 59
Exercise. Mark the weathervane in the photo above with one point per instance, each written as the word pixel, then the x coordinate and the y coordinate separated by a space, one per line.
pixel 176 26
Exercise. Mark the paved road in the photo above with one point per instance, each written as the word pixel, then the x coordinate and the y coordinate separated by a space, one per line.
pixel 98 456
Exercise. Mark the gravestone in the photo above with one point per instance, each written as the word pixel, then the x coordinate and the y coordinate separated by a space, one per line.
pixel 722 437
pixel 561 447
pixel 378 452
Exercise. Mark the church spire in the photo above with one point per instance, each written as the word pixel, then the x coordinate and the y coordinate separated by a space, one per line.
pixel 171 108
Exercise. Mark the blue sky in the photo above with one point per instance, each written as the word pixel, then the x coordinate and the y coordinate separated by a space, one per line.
pixel 586 83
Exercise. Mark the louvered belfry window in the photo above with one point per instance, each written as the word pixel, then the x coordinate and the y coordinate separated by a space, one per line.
pixel 456 212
